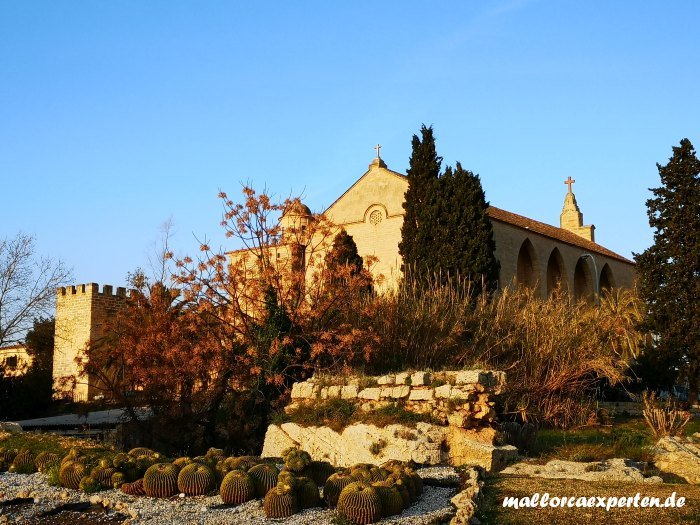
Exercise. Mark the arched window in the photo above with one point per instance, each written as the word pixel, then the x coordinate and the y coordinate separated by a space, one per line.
pixel 583 281
pixel 555 271
pixel 526 272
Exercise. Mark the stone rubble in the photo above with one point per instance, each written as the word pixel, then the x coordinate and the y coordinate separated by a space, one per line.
pixel 680 457
pixel 616 469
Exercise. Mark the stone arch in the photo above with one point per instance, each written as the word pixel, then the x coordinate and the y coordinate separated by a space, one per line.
pixel 583 281
pixel 556 273
pixel 526 273
pixel 607 279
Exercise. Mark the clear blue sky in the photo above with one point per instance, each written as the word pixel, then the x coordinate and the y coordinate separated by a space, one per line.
pixel 117 115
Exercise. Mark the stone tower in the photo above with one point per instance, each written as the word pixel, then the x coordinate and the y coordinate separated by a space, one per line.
pixel 571 218
pixel 81 312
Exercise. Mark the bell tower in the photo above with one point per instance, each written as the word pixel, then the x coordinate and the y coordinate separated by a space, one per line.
pixel 571 218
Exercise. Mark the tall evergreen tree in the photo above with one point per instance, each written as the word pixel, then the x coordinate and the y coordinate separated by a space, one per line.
pixel 446 230
pixel 344 252
pixel 468 228
pixel 669 271
pixel 420 203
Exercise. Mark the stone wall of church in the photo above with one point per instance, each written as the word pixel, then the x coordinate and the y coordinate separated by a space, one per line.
pixel 510 240
pixel 81 312
pixel 371 212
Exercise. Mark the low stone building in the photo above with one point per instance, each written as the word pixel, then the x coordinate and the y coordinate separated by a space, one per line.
pixel 15 360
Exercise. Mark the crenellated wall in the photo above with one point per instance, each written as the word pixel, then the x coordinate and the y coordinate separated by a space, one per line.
pixel 81 312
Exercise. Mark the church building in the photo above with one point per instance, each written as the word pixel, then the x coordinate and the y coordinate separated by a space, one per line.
pixel 530 252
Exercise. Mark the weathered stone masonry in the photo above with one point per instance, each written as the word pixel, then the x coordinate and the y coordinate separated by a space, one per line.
pixel 81 312
pixel 461 402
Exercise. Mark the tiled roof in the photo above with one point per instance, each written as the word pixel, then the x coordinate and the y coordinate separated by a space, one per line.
pixel 552 231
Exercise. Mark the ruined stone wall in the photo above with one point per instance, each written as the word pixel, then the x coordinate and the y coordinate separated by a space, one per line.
pixel 460 431
pixel 81 312
pixel 456 398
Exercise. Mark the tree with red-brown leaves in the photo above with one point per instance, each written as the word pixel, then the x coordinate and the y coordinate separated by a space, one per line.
pixel 216 350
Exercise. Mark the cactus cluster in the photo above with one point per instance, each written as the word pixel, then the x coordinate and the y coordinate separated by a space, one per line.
pixel 134 489
pixel 319 471
pixel 89 484
pixel 237 487
pixel 44 460
pixel 307 493
pixel 363 493
pixel 296 459
pixel 360 503
pixel 264 478
pixel 334 486
pixel 71 473
pixel 196 479
pixel 24 463
pixel 280 502
pixel 242 462
pixel 160 480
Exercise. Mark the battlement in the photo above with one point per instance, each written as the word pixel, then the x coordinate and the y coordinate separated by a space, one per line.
pixel 91 289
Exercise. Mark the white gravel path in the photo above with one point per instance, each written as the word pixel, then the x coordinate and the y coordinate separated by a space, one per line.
pixel 433 507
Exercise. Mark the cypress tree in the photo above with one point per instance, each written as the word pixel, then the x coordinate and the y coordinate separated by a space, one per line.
pixel 446 230
pixel 420 203
pixel 669 270
pixel 469 230
pixel 344 252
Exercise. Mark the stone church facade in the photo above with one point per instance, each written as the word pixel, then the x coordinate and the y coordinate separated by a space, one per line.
pixel 530 252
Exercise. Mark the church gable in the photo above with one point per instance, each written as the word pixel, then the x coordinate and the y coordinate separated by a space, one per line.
pixel 378 188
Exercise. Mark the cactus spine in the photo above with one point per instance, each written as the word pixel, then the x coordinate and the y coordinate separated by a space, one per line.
pixel 280 502
pixel 196 480
pixel 360 503
pixel 237 487
pixel 71 473
pixel 264 477
pixel 307 493
pixel 134 489
pixel 334 486
pixel 160 480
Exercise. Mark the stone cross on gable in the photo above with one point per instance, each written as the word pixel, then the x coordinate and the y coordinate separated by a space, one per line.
pixel 378 147
pixel 569 182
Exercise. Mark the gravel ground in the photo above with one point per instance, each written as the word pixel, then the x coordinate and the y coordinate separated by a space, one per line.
pixel 433 507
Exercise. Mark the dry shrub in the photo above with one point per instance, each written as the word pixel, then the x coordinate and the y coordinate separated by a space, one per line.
pixel 556 352
pixel 663 420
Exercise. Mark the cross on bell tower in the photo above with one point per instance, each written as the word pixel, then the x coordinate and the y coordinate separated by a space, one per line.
pixel 569 182
pixel 378 147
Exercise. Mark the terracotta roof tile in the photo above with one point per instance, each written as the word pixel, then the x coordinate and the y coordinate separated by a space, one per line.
pixel 552 231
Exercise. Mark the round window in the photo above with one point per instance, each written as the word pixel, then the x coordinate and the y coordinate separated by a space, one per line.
pixel 375 217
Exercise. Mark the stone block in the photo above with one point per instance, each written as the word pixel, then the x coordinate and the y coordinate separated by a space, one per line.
pixel 349 392
pixel 420 378
pixel 387 392
pixel 386 380
pixel 303 390
pixel 401 379
pixel 334 391
pixel 372 394
pixel 400 392
pixel 423 394
pixel 458 419
pixel 466 377
pixel 443 391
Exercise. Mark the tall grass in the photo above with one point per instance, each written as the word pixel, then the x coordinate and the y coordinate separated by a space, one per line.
pixel 556 352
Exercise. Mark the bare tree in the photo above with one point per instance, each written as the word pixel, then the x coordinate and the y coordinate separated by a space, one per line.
pixel 28 285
